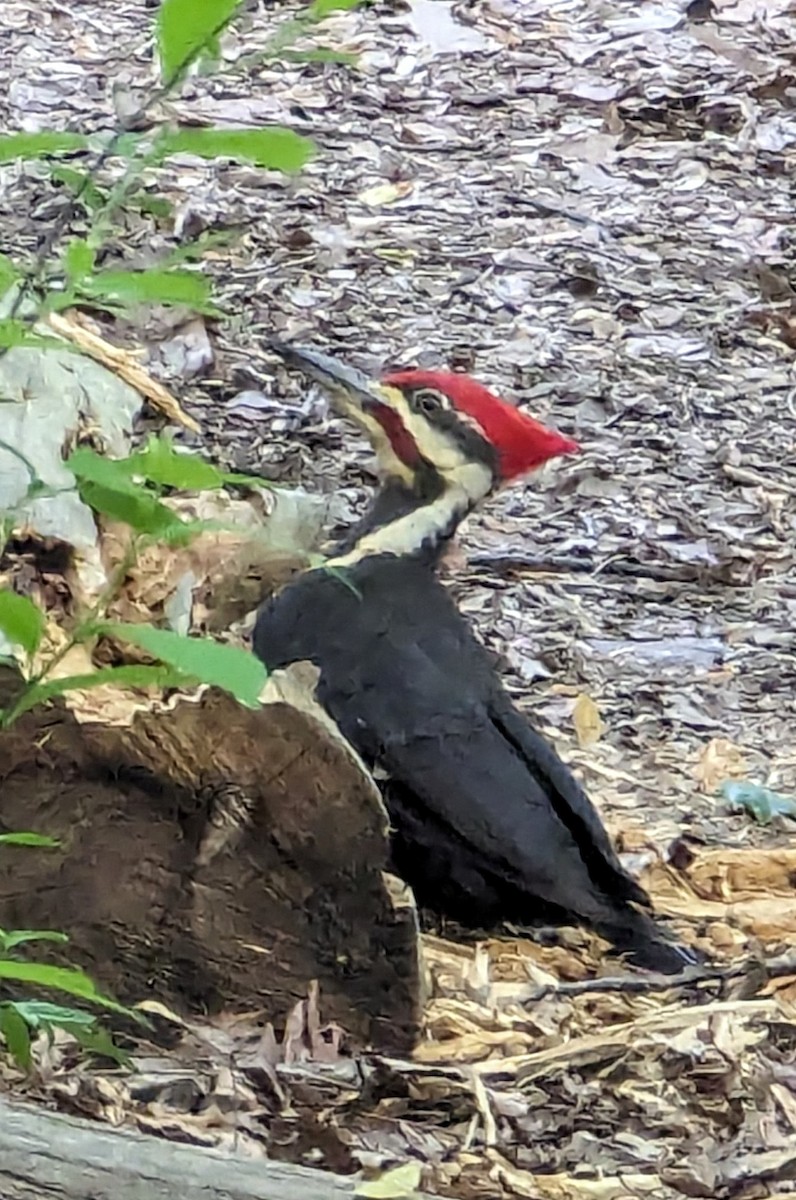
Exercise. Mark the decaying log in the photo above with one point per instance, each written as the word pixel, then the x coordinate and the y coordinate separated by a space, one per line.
pixel 47 1154
pixel 212 857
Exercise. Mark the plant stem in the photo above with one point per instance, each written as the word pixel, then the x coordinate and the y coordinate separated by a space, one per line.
pixel 80 633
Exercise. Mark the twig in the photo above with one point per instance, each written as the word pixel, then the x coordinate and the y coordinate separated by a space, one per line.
pixel 484 1109
pixel 60 227
pixel 565 564
pixel 78 635
pixel 614 1041
pixel 33 475
pixel 551 209
pixel 122 363
pixel 772 968
pixel 755 479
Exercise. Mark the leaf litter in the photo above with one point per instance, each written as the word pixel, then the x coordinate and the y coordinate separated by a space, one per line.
pixel 591 209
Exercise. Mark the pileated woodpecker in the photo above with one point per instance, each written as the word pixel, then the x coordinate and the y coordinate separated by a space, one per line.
pixel 489 824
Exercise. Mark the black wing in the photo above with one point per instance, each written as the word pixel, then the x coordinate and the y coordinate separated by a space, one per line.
pixel 567 797
pixel 450 749
pixel 413 690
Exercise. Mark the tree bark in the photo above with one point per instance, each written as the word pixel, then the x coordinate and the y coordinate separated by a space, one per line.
pixel 47 1154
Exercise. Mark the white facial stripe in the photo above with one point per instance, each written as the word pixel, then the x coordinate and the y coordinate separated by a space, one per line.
pixel 396 400
pixel 432 443
pixel 465 487
pixel 438 446
pixel 435 445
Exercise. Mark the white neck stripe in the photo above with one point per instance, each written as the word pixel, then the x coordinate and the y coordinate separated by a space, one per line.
pixel 428 523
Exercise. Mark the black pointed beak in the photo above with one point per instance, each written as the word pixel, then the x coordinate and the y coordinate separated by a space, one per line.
pixel 345 384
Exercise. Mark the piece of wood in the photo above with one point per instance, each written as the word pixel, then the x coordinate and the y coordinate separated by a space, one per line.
pixel 211 857
pixel 48 1154
pixel 123 364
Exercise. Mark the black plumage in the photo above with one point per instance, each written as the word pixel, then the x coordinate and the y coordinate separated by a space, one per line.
pixel 489 823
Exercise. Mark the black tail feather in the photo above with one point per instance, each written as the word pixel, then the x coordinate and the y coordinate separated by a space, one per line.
pixel 648 946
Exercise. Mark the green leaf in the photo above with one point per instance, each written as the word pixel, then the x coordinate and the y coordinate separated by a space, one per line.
pixel 81 185
pixel 44 1012
pixel 153 206
pixel 39 145
pixel 271 147
pixel 151 287
pixel 160 463
pixel 90 467
pixel 95 1039
pixel 322 54
pixel 16 332
pixel 228 667
pixel 28 839
pixel 63 979
pixel 21 620
pixel 15 1034
pixel 8 274
pixel 322 8
pixel 107 485
pixel 186 531
pixel 79 1024
pixel 132 676
pixel 18 937
pixel 78 260
pixel 194 251
pixel 54 301
pixel 185 28
pixel 127 145
pixel 139 509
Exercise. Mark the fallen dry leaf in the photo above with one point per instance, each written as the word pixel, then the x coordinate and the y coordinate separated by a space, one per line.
pixel 393 1184
pixel 385 193
pixel 589 725
pixel 720 759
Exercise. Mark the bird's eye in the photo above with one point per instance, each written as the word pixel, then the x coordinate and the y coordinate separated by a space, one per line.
pixel 426 401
